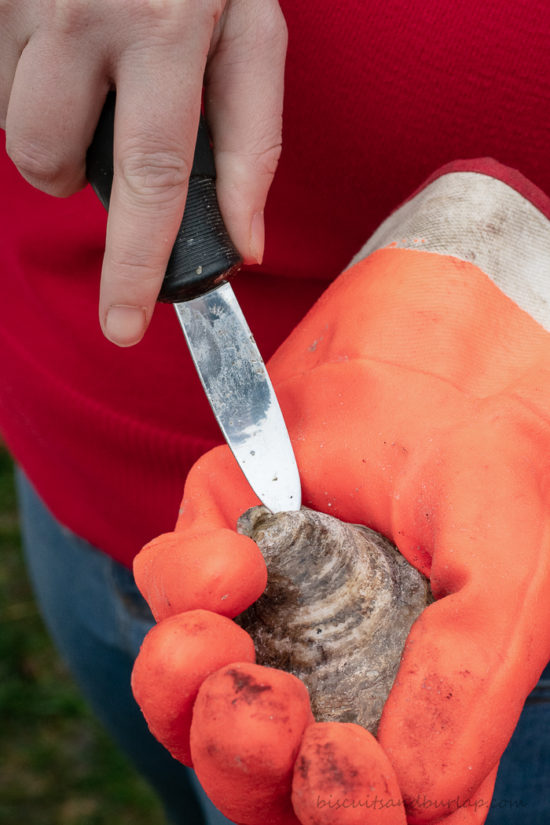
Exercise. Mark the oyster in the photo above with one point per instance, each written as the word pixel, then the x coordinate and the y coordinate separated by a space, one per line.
pixel 339 603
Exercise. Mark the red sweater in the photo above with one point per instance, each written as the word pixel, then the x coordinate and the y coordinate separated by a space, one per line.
pixel 378 96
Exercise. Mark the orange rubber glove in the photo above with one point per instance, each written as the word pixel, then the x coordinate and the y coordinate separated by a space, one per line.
pixel 417 396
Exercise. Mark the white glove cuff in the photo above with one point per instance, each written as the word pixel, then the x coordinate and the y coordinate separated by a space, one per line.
pixel 485 213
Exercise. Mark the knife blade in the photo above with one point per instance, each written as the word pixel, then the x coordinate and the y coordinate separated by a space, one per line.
pixel 222 346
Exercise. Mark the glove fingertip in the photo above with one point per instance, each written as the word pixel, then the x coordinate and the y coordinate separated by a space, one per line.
pixel 220 571
pixel 248 722
pixel 176 656
pixel 207 503
pixel 146 561
pixel 343 777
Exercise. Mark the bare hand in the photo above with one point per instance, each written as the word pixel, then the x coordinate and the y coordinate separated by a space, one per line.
pixel 58 60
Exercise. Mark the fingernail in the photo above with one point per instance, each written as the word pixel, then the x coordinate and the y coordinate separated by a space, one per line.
pixel 257 237
pixel 125 325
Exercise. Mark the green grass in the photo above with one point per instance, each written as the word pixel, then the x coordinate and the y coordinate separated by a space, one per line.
pixel 57 766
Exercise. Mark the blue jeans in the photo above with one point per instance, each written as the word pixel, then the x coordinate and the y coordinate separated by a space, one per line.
pixel 98 619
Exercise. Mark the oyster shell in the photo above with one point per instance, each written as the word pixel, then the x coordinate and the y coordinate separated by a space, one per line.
pixel 338 606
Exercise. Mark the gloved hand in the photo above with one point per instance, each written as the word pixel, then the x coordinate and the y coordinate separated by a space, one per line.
pixel 417 398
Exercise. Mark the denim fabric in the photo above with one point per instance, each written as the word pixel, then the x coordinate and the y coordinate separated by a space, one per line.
pixel 98 619
pixel 522 790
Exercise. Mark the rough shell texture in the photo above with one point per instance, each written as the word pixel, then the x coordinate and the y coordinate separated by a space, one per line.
pixel 339 603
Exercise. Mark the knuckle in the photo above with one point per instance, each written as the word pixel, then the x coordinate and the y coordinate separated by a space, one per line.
pixel 136 270
pixel 156 9
pixel 155 12
pixel 71 15
pixel 159 8
pixel 266 28
pixel 260 27
pixel 267 160
pixel 133 266
pixel 7 7
pixel 41 168
pixel 274 26
pixel 158 174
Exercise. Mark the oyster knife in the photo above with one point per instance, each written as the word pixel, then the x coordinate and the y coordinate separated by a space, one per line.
pixel 223 349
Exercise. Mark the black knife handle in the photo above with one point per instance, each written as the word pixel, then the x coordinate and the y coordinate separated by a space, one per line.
pixel 203 255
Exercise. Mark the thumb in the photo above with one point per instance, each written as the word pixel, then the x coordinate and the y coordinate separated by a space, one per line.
pixel 473 811
pixel 473 655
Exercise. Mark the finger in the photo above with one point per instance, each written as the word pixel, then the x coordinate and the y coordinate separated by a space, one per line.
pixel 218 570
pixel 204 563
pixel 53 108
pixel 244 98
pixel 248 722
pixel 207 504
pixel 473 811
pixel 343 777
pixel 472 656
pixel 8 66
pixel 11 47
pixel 175 658
pixel 156 122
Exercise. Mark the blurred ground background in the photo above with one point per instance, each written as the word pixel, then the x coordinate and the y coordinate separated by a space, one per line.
pixel 57 766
